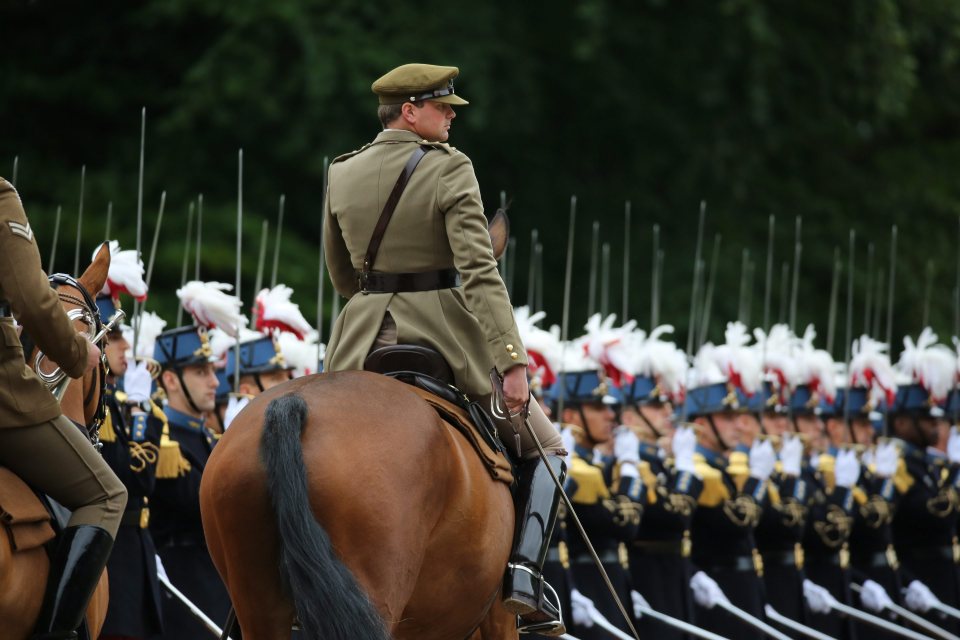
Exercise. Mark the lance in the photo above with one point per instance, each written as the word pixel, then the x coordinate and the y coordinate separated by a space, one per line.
pixel 928 290
pixel 947 610
pixel 511 264
pixel 911 617
pixel 143 140
pixel 185 601
pixel 890 285
pixel 626 263
pixel 748 310
pixel 744 262
pixel 56 234
pixel 697 275
pixel 16 166
pixel 531 271
pixel 875 621
pixel 654 278
pixel 694 293
pixel 236 346
pixel 642 607
pixel 153 255
pixel 539 255
pixel 753 621
pixel 868 309
pixel 834 291
pixel 594 251
pixel 605 280
pixel 881 290
pixel 792 624
pixel 797 250
pixel 76 253
pixel 784 290
pixel 276 244
pixel 186 259
pixel 196 268
pixel 565 318
pixel 264 230
pixel 956 289
pixel 503 258
pixel 708 297
pixel 768 281
pixel 848 335
pixel 320 268
pixel 106 235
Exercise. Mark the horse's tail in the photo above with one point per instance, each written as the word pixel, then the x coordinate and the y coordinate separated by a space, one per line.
pixel 328 600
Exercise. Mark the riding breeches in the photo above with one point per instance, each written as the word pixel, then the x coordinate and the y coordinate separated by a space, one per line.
pixel 56 459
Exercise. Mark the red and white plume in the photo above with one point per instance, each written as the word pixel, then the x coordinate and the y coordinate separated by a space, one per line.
pixel 931 365
pixel 815 367
pixel 211 307
pixel 600 344
pixel 274 312
pixel 125 274
pixel 777 351
pixel 733 361
pixel 543 347
pixel 303 355
pixel 870 368
pixel 655 358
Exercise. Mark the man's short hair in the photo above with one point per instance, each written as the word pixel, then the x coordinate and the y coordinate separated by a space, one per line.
pixel 390 112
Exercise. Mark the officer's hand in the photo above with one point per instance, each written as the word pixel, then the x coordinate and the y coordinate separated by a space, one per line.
pixel 582 609
pixel 93 355
pixel 684 444
pixel 791 455
pixel 919 597
pixel 137 383
pixel 515 390
pixel 886 459
pixel 626 445
pixel 706 591
pixel 818 599
pixel 762 459
pixel 874 597
pixel 847 468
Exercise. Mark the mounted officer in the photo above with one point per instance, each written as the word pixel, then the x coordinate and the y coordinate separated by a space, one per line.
pixel 428 277
pixel 36 441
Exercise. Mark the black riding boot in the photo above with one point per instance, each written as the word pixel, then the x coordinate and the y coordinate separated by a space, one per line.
pixel 74 573
pixel 524 589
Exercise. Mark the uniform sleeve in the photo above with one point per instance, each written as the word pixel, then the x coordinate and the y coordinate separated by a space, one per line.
pixel 486 296
pixel 25 286
pixel 336 252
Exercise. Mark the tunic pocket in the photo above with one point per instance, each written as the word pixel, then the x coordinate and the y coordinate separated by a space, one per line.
pixel 12 348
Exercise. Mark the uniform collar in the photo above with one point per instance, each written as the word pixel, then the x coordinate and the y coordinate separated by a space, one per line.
pixel 397 135
pixel 713 458
pixel 181 419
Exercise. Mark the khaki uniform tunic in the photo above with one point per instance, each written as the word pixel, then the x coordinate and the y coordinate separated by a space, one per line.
pixel 438 224
pixel 36 441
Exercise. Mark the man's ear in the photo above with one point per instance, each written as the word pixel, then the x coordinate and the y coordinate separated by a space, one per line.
pixel 169 381
pixel 408 112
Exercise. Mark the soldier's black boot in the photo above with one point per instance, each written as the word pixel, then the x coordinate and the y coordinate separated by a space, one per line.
pixel 525 592
pixel 75 570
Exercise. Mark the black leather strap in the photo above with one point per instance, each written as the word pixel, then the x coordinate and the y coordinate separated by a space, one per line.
pixel 379 282
pixel 388 208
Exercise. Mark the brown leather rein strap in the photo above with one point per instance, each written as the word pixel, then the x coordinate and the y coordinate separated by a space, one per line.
pixel 387 212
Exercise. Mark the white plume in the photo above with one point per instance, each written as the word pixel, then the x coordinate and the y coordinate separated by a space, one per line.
pixel 543 347
pixel 301 354
pixel 601 341
pixel 151 326
pixel 125 274
pixel 870 368
pixel 211 307
pixel 932 365
pixel 275 312
pixel 815 367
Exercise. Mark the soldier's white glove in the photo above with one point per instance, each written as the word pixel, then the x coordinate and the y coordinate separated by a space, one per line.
pixel 234 407
pixel 818 599
pixel 137 383
pixel 919 597
pixel 953 445
pixel 706 591
pixel 762 459
pixel 626 445
pixel 581 609
pixel 791 455
pixel 684 444
pixel 566 437
pixel 847 469
pixel 639 604
pixel 161 572
pixel 886 458
pixel 874 597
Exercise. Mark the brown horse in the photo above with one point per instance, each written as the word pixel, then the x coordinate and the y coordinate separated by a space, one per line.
pixel 342 501
pixel 23 574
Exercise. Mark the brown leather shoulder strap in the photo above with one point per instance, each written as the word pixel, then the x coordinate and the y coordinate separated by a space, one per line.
pixel 391 204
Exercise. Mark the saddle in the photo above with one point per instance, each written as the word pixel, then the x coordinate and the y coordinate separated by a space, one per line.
pixel 431 378
pixel 22 514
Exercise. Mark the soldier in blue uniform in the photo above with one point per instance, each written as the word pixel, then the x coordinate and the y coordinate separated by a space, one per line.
pixel 188 379
pixel 262 367
pixel 131 446
pixel 610 514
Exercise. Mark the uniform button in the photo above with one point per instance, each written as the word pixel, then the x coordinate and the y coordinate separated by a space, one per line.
pixel 509 347
pixel 514 355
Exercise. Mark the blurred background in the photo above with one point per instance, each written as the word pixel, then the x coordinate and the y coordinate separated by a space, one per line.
pixel 842 113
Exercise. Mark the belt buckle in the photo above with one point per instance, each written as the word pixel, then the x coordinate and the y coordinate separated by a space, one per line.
pixel 686 545
pixel 844 556
pixel 362 281
pixel 144 517
pixel 757 562
pixel 798 557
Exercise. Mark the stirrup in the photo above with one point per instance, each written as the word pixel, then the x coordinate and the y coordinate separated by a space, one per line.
pixel 546 618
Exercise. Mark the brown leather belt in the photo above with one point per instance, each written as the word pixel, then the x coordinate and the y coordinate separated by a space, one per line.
pixel 380 282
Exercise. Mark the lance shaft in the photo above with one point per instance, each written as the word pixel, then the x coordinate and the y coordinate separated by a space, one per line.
pixel 626 263
pixel 320 268
pixel 276 245
pixel 694 289
pixel 768 281
pixel 76 253
pixel 56 235
pixel 236 347
pixel 565 318
pixel 532 271
pixel 186 259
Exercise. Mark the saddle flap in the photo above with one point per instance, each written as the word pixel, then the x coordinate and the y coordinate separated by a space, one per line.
pixel 409 357
pixel 23 516
pixel 495 461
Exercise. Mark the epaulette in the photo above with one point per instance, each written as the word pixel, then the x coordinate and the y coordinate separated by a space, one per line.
pixel 739 468
pixel 826 466
pixel 859 495
pixel 773 492
pixel 107 432
pixel 121 396
pixel 350 154
pixel 714 488
pixel 443 146
pixel 650 480
pixel 170 462
pixel 902 479
pixel 589 482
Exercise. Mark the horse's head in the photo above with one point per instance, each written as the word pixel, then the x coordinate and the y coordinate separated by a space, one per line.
pixel 81 402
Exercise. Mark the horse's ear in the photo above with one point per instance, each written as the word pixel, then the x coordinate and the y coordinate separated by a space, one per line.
pixel 499 229
pixel 95 276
